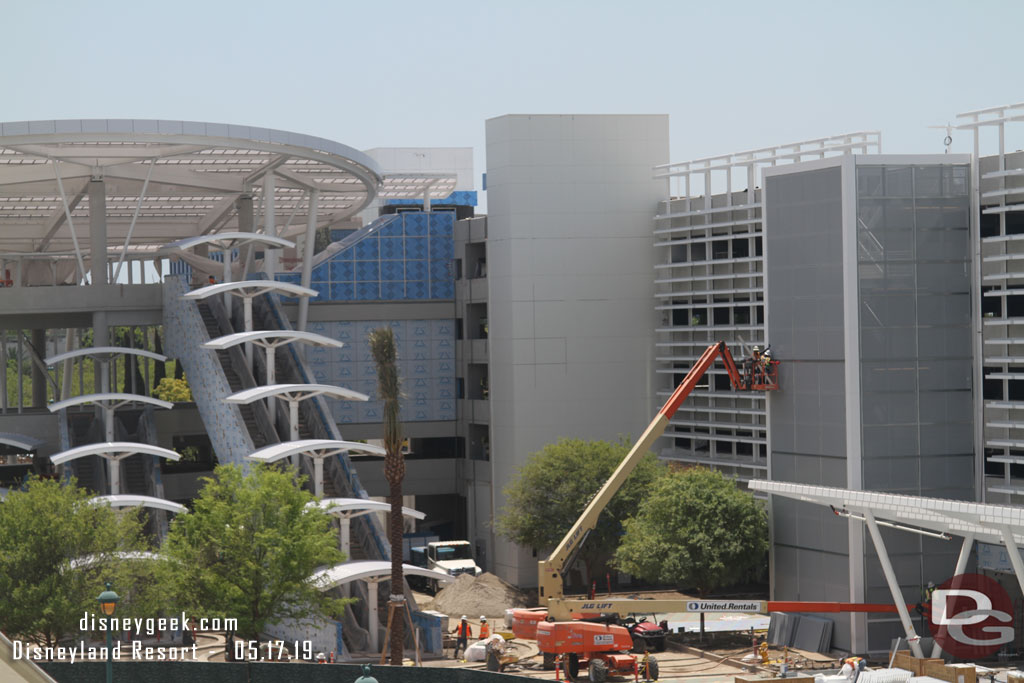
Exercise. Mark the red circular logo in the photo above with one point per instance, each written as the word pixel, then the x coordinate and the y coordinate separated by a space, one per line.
pixel 970 616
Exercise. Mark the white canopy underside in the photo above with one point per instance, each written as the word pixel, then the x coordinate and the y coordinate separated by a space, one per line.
pixel 173 180
pixel 368 570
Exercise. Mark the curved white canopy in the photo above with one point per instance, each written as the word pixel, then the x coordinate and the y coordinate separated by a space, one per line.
pixel 123 500
pixel 295 392
pixel 227 240
pixel 25 443
pixel 354 507
pixel 89 560
pixel 113 449
pixel 109 351
pixel 116 399
pixel 370 571
pixel 249 288
pixel 316 448
pixel 271 338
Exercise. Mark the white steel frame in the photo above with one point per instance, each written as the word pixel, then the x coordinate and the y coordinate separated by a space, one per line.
pixel 999 340
pixel 695 216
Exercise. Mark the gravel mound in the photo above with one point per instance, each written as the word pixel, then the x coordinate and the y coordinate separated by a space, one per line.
pixel 475 595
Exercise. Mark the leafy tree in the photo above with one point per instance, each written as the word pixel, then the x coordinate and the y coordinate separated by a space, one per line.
pixel 174 390
pixel 695 529
pixel 43 527
pixel 382 345
pixel 554 486
pixel 249 546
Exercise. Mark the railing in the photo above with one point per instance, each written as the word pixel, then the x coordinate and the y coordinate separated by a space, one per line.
pixel 267 311
pixel 185 333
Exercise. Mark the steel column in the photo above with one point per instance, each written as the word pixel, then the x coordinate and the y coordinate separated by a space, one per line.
pixel 373 623
pixel 961 567
pixel 1014 552
pixel 894 586
pixel 307 259
pixel 98 230
pixel 269 224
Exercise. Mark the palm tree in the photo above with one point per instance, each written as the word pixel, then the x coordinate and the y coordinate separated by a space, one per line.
pixel 382 345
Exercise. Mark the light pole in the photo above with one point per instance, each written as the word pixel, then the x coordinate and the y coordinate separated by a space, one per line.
pixel 108 603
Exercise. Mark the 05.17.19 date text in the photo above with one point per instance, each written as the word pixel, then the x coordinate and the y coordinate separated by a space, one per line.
pixel 272 650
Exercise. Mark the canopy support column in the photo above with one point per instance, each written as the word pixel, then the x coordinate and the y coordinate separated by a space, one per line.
pixel 961 567
pixel 269 224
pixel 372 622
pixel 1014 552
pixel 293 426
pixel 271 378
pixel 307 258
pixel 115 469
pixel 894 587
pixel 98 230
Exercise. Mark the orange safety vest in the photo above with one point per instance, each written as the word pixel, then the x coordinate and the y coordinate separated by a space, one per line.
pixel 485 630
pixel 464 630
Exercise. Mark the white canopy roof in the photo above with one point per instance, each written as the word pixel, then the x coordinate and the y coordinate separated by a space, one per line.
pixel 89 560
pixel 127 500
pixel 227 240
pixel 369 570
pixel 295 392
pixel 172 180
pixel 271 338
pixel 986 522
pixel 312 447
pixel 354 507
pixel 113 449
pixel 108 351
pixel 117 399
pixel 25 443
pixel 249 288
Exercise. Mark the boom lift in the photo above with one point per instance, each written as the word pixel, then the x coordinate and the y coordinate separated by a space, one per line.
pixel 760 372
pixel 600 645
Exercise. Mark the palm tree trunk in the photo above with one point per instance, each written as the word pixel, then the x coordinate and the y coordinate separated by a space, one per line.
pixel 397 579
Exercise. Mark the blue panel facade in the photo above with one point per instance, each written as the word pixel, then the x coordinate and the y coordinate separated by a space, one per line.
pixel 402 257
pixel 426 358
pixel 457 198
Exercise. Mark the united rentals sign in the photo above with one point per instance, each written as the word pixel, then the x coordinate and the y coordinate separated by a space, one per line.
pixel 725 606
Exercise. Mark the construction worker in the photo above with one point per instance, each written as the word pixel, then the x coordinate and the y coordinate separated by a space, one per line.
pixel 211 280
pixel 485 629
pixel 463 632
pixel 751 365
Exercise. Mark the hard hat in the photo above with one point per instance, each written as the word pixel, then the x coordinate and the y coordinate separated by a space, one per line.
pixel 757 349
pixel 483 618
pixel 464 617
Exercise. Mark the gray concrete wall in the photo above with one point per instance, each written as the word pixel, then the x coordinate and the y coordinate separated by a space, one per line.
pixel 71 306
pixel 807 418
pixel 570 261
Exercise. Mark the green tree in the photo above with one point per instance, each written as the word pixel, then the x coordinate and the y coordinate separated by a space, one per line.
pixel 174 390
pixel 247 549
pixel 554 486
pixel 382 345
pixel 696 529
pixel 43 528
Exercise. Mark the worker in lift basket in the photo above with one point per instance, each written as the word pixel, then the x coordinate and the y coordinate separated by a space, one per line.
pixel 751 366
pixel 463 632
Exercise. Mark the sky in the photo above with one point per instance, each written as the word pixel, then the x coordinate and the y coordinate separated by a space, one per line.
pixel 392 73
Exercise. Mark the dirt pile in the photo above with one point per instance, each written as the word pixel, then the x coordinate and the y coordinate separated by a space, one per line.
pixel 475 595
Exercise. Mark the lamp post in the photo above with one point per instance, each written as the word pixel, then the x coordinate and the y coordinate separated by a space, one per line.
pixel 108 603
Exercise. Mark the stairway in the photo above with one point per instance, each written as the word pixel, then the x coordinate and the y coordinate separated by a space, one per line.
pixel 249 412
pixel 212 376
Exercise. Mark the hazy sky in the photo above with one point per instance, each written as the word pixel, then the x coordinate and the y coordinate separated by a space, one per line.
pixel 732 75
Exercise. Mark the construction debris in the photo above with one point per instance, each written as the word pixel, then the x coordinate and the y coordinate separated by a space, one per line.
pixel 485 594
